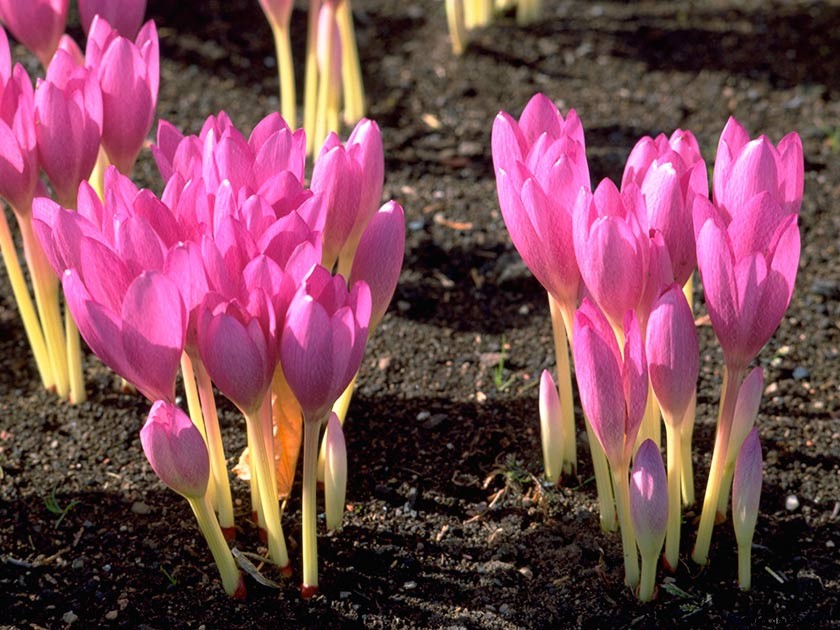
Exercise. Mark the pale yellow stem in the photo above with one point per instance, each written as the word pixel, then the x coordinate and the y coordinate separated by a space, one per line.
pixel 686 434
pixel 209 526
pixel 672 535
pixel 310 94
pixel 621 484
pixel 309 534
pixel 285 73
pixel 351 69
pixel 564 384
pixel 745 566
pixel 731 384
pixel 74 360
pixel 457 25
pixel 31 324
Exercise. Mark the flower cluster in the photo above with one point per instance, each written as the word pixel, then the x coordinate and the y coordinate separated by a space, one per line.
pixel 617 264
pixel 228 276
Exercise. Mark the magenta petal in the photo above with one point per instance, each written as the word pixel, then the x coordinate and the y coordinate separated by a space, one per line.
pixel 154 321
pixel 176 450
pixel 649 499
pixel 232 359
pixel 379 257
pixel 672 352
pixel 305 352
pixel 717 269
pixel 600 384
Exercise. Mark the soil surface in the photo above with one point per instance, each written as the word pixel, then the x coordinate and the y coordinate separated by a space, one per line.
pixel 449 524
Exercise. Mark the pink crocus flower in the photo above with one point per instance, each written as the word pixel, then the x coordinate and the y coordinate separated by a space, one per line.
pixel 540 165
pixel 748 269
pixel 746 496
pixel 670 173
pixel 649 511
pixel 672 352
pixel 69 45
pixel 129 74
pixel 336 177
pixel 37 24
pixel 176 450
pixel 125 16
pixel 68 125
pixel 18 144
pixel 612 248
pixel 613 381
pixel 744 168
pixel 324 339
pixel 379 258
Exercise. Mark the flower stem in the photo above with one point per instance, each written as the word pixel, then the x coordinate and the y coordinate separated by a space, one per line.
pixel 687 466
pixel 560 325
pixel 745 566
pixel 267 491
pixel 648 583
pixel 231 577
pixel 285 73
pixel 31 324
pixel 731 383
pixel 45 285
pixel 310 95
pixel 74 359
pixel 311 430
pixel 215 447
pixel 621 483
pixel 351 70
pixel 672 536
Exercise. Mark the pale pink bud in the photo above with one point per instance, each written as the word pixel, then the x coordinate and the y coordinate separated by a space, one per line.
pixel 176 450
pixel 551 428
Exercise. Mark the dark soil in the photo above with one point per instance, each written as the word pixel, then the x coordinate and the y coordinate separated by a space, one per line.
pixel 449 527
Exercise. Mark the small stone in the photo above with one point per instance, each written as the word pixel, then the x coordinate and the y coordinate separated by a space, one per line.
pixel 424 415
pixel 526 572
pixel 791 503
pixel 410 585
pixel 416 225
pixel 829 544
pixel 343 594
pixel 801 373
pixel 111 615
pixel 69 617
pixel 138 507
pixel 77 564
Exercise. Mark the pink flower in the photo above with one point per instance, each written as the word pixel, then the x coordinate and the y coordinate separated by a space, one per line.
pixel 612 248
pixel 125 16
pixel 649 499
pixel 68 125
pixel 18 144
pixel 744 168
pixel 379 258
pixel 670 174
pixel 176 450
pixel 324 340
pixel 613 382
pixel 337 178
pixel 673 353
pixel 128 74
pixel 137 327
pixel 37 24
pixel 540 165
pixel 748 269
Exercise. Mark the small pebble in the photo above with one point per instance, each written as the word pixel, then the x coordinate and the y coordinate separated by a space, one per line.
pixel 69 617
pixel 138 507
pixel 526 572
pixel 111 615
pixel 791 503
pixel 800 373
pixel 344 594
pixel 504 609
pixel 410 585
pixel 416 225
pixel 829 544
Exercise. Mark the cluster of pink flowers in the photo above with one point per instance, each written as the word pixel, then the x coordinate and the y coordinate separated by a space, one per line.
pixel 614 262
pixel 241 275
